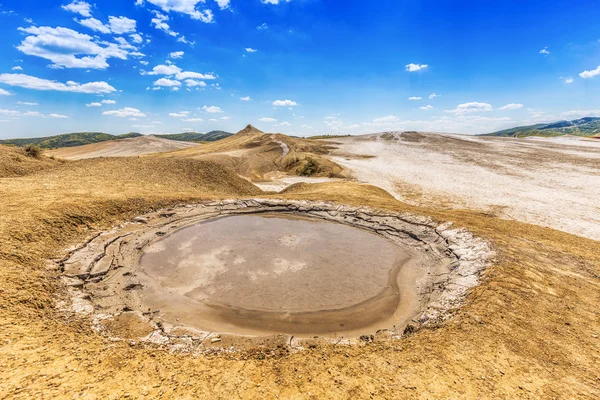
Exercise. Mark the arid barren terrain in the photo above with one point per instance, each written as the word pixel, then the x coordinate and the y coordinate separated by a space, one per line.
pixel 529 329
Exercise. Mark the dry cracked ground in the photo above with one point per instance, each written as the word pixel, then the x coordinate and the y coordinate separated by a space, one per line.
pixel 529 330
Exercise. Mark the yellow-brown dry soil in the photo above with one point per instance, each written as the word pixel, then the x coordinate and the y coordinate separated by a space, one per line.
pixel 530 330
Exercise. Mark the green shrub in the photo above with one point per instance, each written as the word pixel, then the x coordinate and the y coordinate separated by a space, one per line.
pixel 33 151
pixel 310 167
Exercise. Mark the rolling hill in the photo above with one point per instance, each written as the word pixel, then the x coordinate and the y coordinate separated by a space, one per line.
pixel 589 126
pixel 84 138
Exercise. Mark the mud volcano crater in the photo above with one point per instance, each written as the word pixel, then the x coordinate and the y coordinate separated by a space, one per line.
pixel 262 267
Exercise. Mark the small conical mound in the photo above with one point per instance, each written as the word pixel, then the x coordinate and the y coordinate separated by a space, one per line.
pixel 249 130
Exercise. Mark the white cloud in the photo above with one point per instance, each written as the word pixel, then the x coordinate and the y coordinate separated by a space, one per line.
pixel 569 80
pixel 120 25
pixel 180 114
pixel 212 109
pixel 160 22
pixel 5 93
pixel 167 82
pixel 590 74
pixel 267 120
pixel 94 24
pixel 194 75
pixel 275 1
pixel 95 104
pixel 125 113
pixel 17 68
pixel 250 50
pixel 427 107
pixel 223 4
pixel 263 26
pixel 173 69
pixel 415 98
pixel 471 108
pixel 136 38
pixel 581 113
pixel 433 96
pixel 194 83
pixel 79 7
pixel 14 113
pixel 224 118
pixel 193 120
pixel 143 62
pixel 27 103
pixel 545 51
pixel 108 102
pixel 284 124
pixel 415 67
pixel 247 98
pixel 284 103
pixel 511 106
pixel 68 48
pixel 32 82
pixel 186 7
pixel 388 119
pixel 176 54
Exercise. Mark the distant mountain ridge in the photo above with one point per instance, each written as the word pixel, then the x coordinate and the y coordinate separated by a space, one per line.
pixel 588 126
pixel 211 136
pixel 83 138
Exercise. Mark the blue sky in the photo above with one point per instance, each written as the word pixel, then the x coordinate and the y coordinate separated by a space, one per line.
pixel 298 66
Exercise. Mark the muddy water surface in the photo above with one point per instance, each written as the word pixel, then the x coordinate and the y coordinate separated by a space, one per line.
pixel 253 274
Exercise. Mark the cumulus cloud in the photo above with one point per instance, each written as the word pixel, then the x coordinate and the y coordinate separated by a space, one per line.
pixel 415 67
pixel 275 1
pixel 415 98
pixel 186 7
pixel 15 114
pixel 180 114
pixel 569 80
pixel 79 7
pixel 32 82
pixel 27 103
pixel 247 98
pixel 165 82
pixel 194 83
pixel 193 120
pixel 285 123
pixel 171 70
pixel 545 51
pixel 471 108
pixel 212 109
pixel 223 4
pixel 427 107
pixel 263 26
pixel 250 50
pixel 17 68
pixel 284 103
pixel 126 112
pixel 590 74
pixel 94 24
pixel 388 119
pixel 176 54
pixel 108 102
pixel 160 22
pixel 267 120
pixel 67 48
pixel 511 106
pixel 433 96
pixel 5 92
pixel 120 25
pixel 95 104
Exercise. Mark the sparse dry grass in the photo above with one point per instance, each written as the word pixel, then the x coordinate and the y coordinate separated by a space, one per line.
pixel 526 331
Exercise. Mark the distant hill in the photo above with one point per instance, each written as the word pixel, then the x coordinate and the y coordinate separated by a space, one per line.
pixel 68 139
pixel 211 136
pixel 589 126
pixel 83 138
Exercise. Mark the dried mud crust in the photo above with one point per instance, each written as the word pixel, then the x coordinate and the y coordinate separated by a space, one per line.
pixel 101 274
